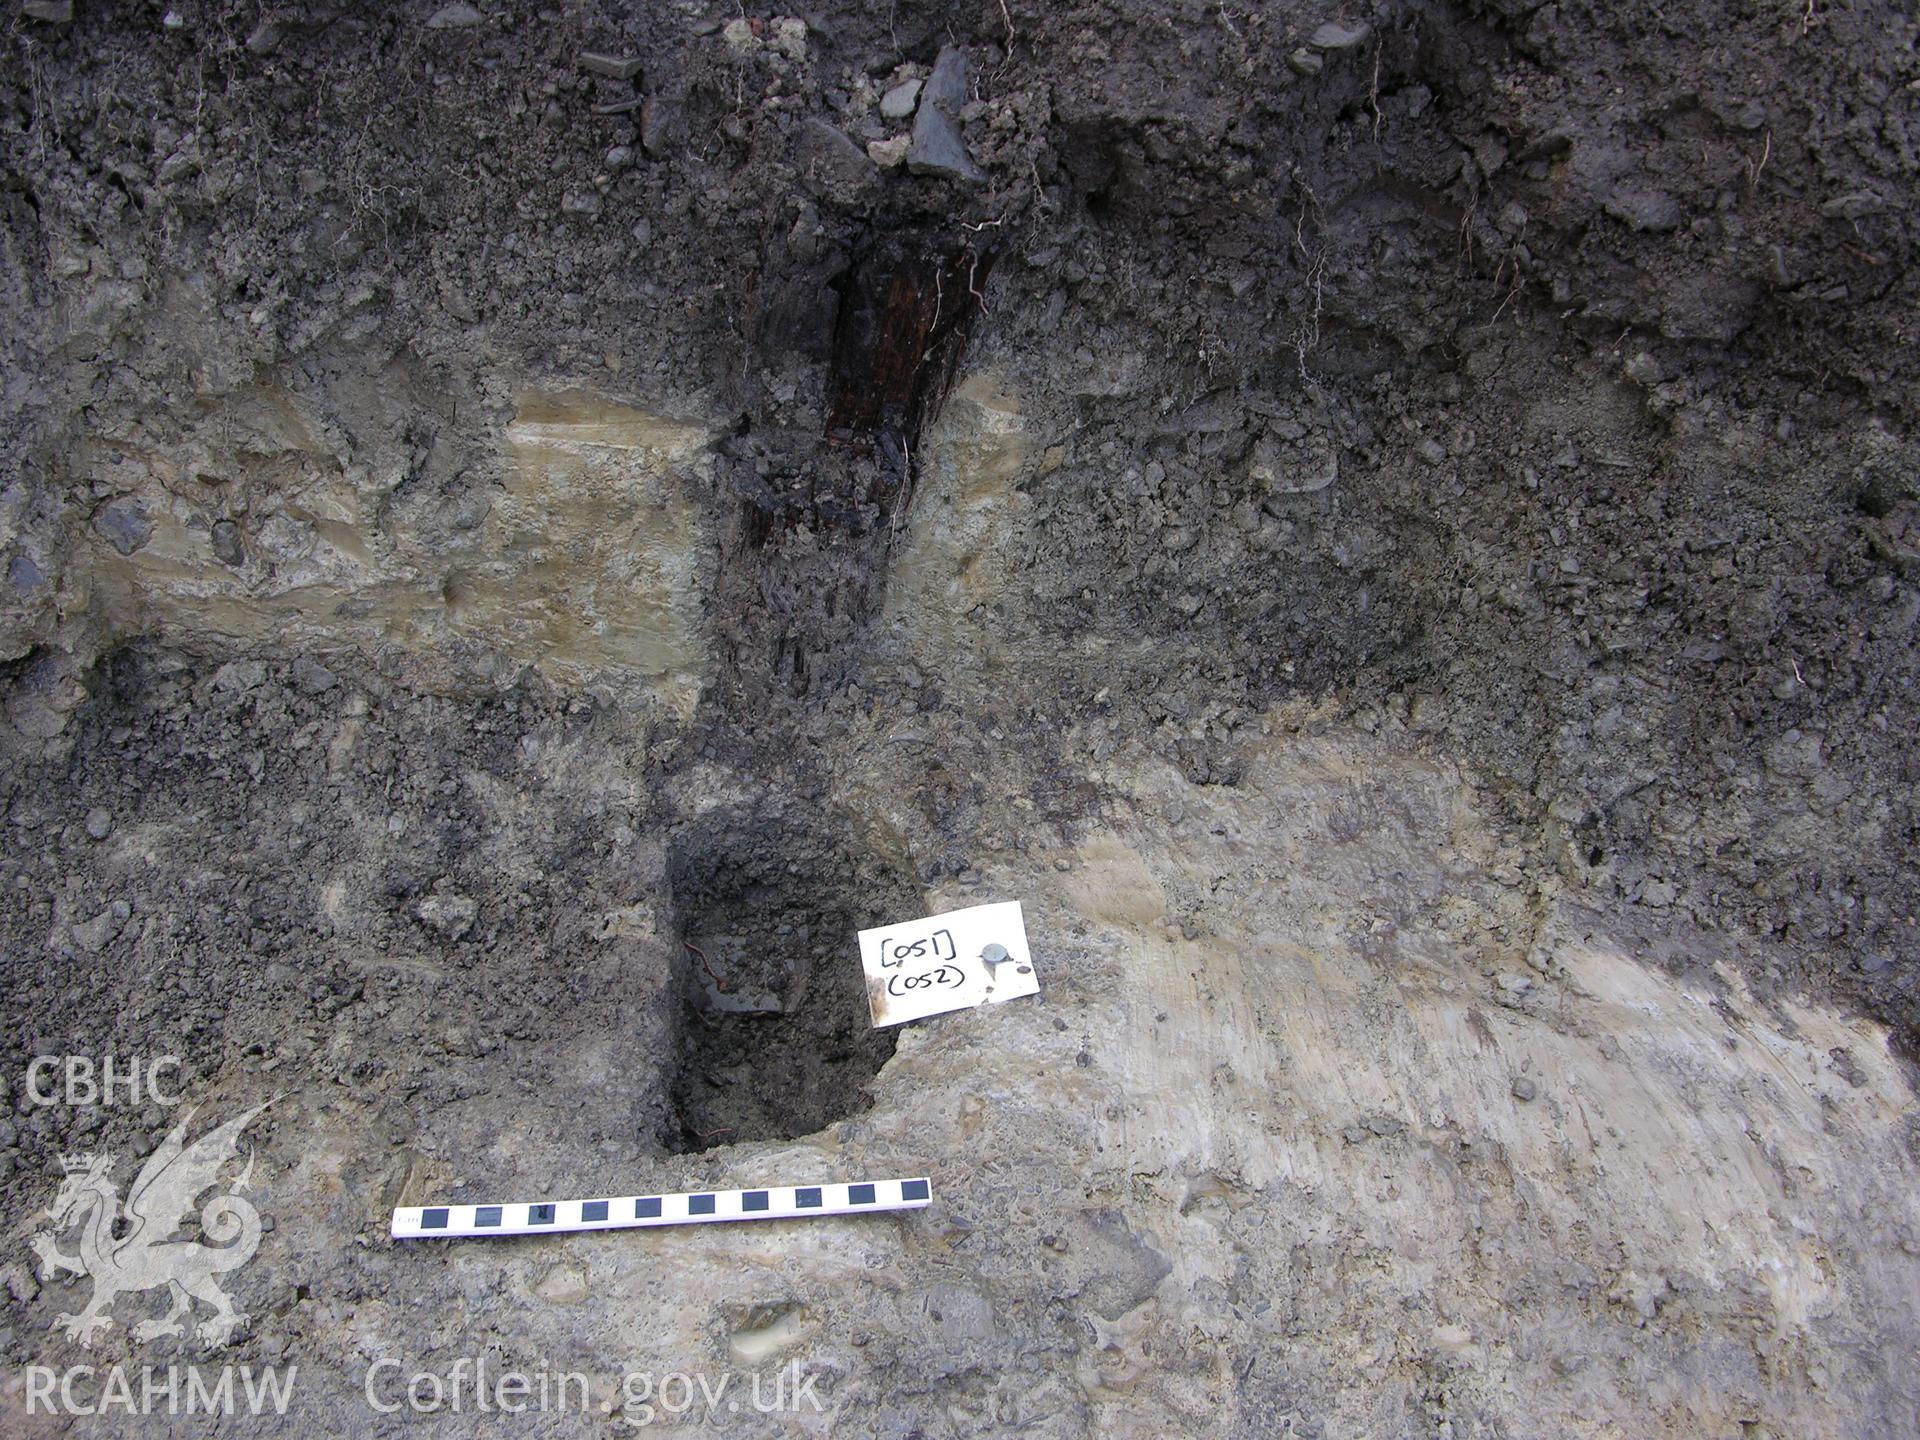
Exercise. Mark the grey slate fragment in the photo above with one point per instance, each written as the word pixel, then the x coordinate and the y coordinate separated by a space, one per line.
pixel 833 161
pixel 310 677
pixel 227 547
pixel 25 576
pixel 938 149
pixel 124 525
pixel 614 67
pixel 1335 36
pixel 659 122
pixel 947 86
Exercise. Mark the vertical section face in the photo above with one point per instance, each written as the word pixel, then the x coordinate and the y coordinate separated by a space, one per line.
pixel 595 550
pixel 566 541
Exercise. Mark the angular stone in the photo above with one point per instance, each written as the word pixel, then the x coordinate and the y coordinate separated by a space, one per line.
pixel 832 161
pixel 312 678
pixel 614 67
pixel 25 576
pixel 659 121
pixel 1305 62
pixel 227 549
pixel 788 37
pixel 947 86
pixel 939 151
pixel 54 12
pixel 937 147
pixel 1292 469
pixel 239 675
pixel 181 165
pixel 20 1285
pixel 124 525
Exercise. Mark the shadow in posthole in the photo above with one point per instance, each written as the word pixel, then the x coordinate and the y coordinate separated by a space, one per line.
pixel 775 1040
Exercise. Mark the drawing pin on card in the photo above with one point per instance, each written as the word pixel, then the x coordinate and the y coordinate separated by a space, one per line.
pixel 954 961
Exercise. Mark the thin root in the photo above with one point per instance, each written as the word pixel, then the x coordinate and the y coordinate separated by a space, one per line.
pixel 707 965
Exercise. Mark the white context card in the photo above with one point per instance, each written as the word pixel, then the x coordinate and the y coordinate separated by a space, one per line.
pixel 946 962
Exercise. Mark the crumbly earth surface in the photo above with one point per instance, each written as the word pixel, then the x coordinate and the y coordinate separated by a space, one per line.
pixel 1391 529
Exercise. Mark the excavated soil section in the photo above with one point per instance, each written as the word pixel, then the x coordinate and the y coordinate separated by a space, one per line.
pixel 1391 528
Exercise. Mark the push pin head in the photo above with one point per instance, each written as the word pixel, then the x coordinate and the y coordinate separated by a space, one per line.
pixel 994 956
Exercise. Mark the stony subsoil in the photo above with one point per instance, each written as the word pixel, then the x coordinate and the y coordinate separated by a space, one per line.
pixel 1391 529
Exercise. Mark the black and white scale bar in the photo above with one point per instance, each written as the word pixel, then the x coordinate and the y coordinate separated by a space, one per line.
pixel 779 1202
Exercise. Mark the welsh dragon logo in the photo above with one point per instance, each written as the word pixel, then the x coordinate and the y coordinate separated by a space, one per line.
pixel 144 1256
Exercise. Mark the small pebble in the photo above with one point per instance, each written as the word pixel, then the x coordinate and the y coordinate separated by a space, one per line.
pixel 898 102
pixel 1334 36
pixel 99 823
pixel 1523 1089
